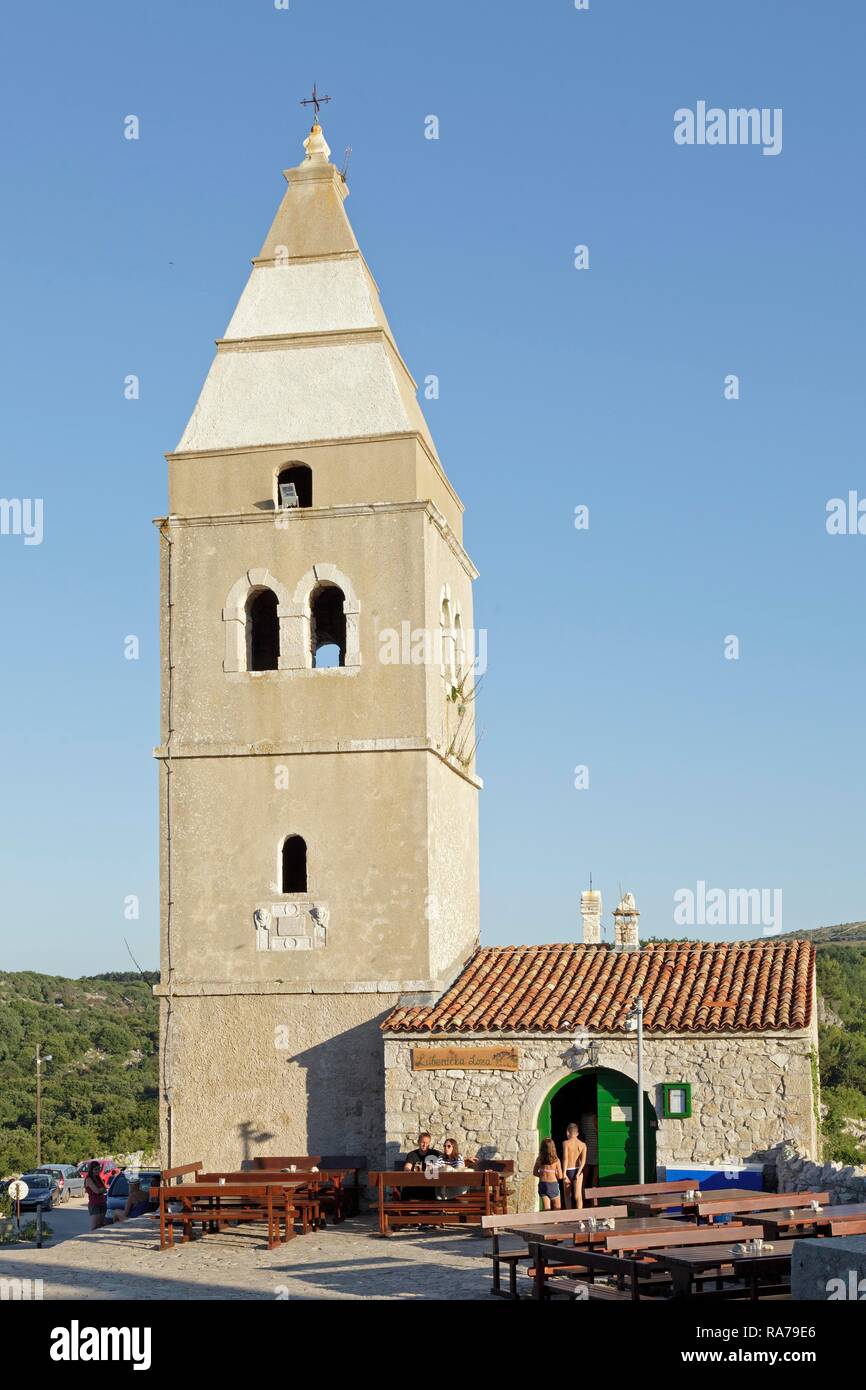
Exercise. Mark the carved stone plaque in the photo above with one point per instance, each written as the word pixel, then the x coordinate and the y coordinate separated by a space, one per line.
pixel 294 926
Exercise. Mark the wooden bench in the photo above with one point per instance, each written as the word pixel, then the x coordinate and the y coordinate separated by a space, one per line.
pixel 419 1209
pixel 504 1168
pixel 635 1280
pixel 595 1195
pixel 168 1175
pixel 501 1223
pixel 762 1201
pixel 848 1228
pixel 689 1235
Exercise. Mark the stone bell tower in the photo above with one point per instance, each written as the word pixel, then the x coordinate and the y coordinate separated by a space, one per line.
pixel 319 817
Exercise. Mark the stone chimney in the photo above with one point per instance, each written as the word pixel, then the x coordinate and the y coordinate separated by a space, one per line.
pixel 590 911
pixel 625 924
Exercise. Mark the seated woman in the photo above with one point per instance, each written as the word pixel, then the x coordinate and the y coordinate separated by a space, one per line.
pixel 574 1162
pixel 450 1159
pixel 548 1170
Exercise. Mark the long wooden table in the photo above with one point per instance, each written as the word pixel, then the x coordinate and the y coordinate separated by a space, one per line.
pixel 805 1221
pixel 688 1264
pixel 305 1187
pixel 216 1204
pixel 645 1205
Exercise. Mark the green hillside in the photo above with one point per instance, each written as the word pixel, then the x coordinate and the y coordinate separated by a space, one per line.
pixel 843 934
pixel 99 1093
pixel 841 970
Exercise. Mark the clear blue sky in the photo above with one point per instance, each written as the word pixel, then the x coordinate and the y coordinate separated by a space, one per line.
pixel 558 388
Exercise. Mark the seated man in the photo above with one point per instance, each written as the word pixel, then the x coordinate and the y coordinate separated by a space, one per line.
pixel 415 1162
pixel 137 1201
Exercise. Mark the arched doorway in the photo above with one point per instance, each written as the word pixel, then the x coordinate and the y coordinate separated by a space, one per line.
pixel 612 1098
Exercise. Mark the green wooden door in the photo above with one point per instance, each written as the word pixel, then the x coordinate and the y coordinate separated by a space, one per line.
pixel 617 1131
pixel 544 1125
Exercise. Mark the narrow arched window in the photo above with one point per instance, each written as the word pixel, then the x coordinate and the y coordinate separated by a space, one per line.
pixel 263 631
pixel 294 486
pixel 294 866
pixel 327 627
pixel 447 628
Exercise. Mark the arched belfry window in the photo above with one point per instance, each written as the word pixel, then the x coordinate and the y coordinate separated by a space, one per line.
pixel 294 865
pixel 327 626
pixel 257 618
pixel 329 610
pixel 263 631
pixel 294 486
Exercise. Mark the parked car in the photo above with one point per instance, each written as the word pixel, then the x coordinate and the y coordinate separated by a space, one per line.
pixel 42 1191
pixel 107 1167
pixel 119 1189
pixel 70 1182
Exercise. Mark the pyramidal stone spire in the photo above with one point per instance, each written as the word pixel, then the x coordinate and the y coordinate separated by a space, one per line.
pixel 308 354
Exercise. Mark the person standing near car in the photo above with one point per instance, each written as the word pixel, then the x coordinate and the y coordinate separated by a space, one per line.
pixel 97 1195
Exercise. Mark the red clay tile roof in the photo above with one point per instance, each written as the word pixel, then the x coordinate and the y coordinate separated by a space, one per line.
pixel 693 987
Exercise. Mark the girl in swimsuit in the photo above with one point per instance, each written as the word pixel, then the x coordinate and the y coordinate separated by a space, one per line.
pixel 548 1170
pixel 574 1162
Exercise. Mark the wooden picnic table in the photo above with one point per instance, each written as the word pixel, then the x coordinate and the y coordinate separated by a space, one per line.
pixel 424 1208
pixel 571 1232
pixel 305 1189
pixel 645 1204
pixel 805 1220
pixel 712 1205
pixel 690 1264
pixel 637 1243
pixel 501 1224
pixel 214 1204
pixel 620 1192
pixel 341 1177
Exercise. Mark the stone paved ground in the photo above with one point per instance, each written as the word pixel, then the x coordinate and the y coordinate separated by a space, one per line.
pixel 349 1261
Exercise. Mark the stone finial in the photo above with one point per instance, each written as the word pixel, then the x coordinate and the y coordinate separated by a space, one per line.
pixel 625 923
pixel 317 148
pixel 590 911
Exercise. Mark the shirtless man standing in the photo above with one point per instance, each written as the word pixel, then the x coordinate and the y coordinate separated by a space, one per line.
pixel 573 1162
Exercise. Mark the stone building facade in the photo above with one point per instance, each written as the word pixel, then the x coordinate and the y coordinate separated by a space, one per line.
pixel 750 1081
pixel 752 1090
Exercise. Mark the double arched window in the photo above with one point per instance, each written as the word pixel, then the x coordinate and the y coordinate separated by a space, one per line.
pixel 270 628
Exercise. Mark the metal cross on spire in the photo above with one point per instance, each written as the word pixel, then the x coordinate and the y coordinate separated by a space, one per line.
pixel 315 101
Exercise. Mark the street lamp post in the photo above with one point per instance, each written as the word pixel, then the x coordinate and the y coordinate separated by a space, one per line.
pixel 634 1023
pixel 39 1060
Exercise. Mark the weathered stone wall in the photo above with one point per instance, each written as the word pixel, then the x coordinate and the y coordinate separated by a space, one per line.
pixel 747 1092
pixel 272 1073
pixel 796 1173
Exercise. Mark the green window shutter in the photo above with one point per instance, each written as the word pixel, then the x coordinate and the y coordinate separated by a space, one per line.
pixel 676 1100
